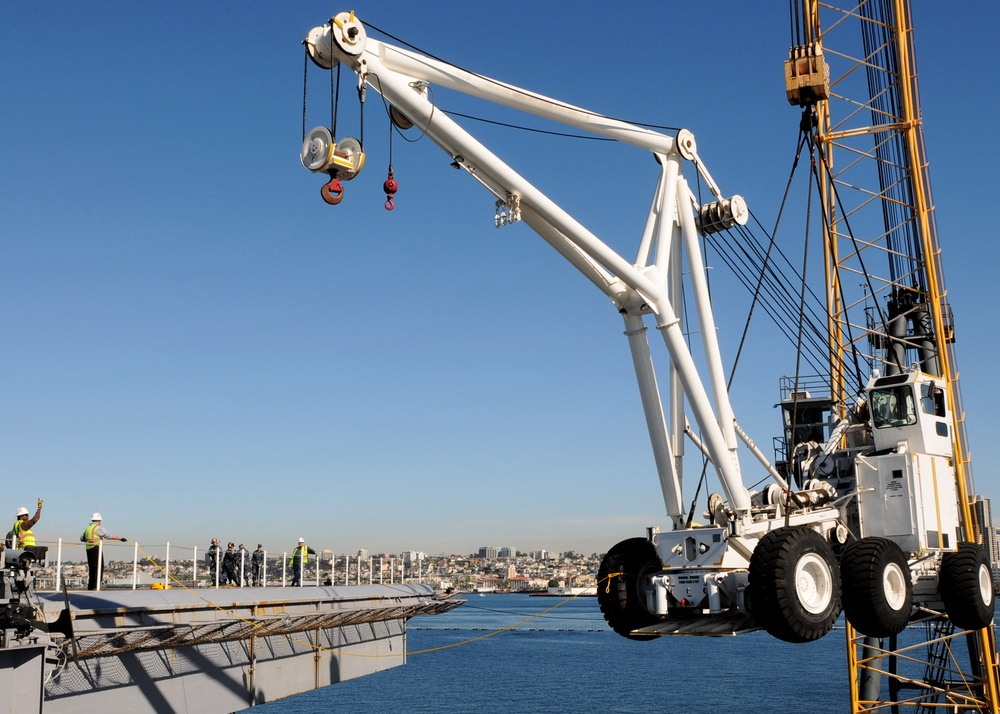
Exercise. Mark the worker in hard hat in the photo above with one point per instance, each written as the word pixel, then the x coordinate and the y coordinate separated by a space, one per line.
pixel 300 556
pixel 93 536
pixel 20 534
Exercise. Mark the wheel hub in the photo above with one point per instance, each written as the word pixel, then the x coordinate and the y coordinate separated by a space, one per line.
pixel 813 583
pixel 894 587
pixel 985 584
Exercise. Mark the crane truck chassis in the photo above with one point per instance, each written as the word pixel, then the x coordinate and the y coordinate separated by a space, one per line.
pixel 862 516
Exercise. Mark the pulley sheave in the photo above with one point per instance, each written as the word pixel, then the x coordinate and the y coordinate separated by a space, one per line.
pixel 320 154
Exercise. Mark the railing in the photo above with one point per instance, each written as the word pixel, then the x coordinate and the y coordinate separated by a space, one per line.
pixel 323 567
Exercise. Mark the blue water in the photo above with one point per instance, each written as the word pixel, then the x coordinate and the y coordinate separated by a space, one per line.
pixel 567 660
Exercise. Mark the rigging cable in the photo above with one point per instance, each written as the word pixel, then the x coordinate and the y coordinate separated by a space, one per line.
pixel 528 128
pixel 334 99
pixel 861 262
pixel 766 263
pixel 511 88
pixel 305 81
pixel 798 352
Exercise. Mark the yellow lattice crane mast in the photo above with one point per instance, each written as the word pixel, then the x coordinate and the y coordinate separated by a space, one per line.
pixel 878 220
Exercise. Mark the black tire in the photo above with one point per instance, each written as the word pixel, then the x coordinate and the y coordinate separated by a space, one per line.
pixel 618 579
pixel 967 587
pixel 794 585
pixel 877 590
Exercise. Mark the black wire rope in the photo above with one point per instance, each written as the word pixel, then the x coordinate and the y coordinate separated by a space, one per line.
pixel 773 294
pixel 766 263
pixel 795 27
pixel 805 264
pixel 334 98
pixel 512 88
pixel 861 263
pixel 528 128
pixel 388 111
pixel 305 94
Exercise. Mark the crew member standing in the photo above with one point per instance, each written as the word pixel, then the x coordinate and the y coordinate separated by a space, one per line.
pixel 257 564
pixel 22 526
pixel 300 556
pixel 93 536
pixel 214 562
pixel 229 564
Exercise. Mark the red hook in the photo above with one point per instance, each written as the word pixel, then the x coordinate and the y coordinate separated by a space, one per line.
pixel 333 192
pixel 390 187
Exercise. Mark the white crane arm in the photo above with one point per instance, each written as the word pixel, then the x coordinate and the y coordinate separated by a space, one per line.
pixel 402 78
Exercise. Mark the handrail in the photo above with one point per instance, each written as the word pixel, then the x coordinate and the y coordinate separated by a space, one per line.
pixel 395 571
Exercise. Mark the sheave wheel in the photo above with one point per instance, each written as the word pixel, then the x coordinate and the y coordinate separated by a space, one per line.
pixel 877 587
pixel 794 585
pixel 967 586
pixel 618 579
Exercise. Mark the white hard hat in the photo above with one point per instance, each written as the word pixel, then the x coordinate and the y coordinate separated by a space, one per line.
pixel 96 517
pixel 300 539
pixel 22 511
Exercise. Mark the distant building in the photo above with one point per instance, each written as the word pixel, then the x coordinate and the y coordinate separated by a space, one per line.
pixel 507 552
pixel 518 583
pixel 363 554
pixel 995 563
pixel 986 534
pixel 488 552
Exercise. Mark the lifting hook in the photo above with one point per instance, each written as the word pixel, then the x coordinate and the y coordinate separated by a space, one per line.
pixel 333 192
pixel 390 187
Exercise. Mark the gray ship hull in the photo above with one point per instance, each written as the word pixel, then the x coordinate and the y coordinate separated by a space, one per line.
pixel 208 650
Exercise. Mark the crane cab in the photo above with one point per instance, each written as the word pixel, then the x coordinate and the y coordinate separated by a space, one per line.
pixel 906 486
pixel 911 409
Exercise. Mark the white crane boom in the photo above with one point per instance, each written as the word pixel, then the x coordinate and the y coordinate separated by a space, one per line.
pixel 402 77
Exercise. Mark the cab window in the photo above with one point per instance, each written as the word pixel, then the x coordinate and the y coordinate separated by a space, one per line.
pixel 932 400
pixel 893 407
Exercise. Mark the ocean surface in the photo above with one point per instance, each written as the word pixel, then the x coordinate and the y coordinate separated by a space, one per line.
pixel 561 657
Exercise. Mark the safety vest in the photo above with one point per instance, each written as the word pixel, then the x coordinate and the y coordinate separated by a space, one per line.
pixel 90 535
pixel 303 552
pixel 22 537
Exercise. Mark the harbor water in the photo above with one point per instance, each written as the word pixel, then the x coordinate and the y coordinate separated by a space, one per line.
pixel 560 656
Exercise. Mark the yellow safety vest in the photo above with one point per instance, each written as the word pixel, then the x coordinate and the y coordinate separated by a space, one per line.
pixel 303 551
pixel 22 537
pixel 91 535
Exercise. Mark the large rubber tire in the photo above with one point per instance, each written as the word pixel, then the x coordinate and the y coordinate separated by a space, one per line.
pixel 794 585
pixel 877 589
pixel 618 579
pixel 967 586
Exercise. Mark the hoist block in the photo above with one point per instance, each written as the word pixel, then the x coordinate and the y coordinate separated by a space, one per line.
pixel 807 76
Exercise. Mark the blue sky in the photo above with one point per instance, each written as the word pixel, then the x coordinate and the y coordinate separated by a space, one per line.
pixel 197 346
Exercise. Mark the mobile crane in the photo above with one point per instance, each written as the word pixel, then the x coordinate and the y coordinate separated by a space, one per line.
pixel 868 507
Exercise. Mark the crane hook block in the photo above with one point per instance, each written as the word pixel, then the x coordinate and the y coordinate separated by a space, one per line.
pixel 390 187
pixel 321 154
pixel 333 192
